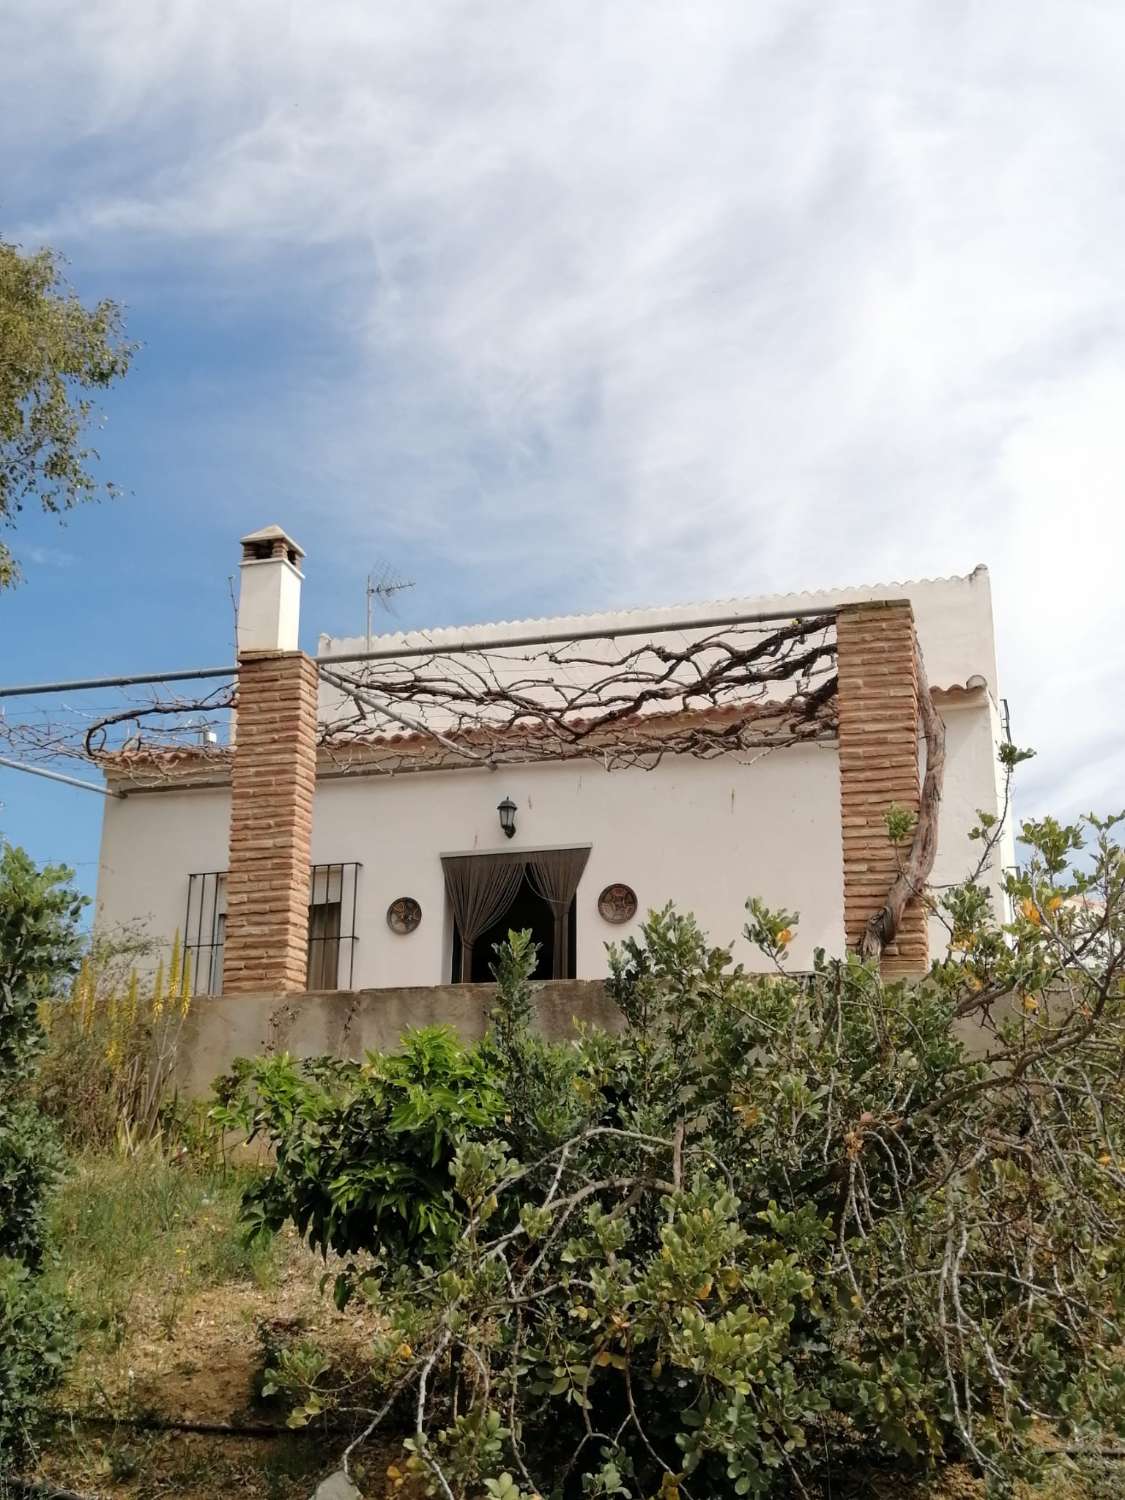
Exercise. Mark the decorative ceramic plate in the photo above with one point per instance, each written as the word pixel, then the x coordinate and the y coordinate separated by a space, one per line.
pixel 404 914
pixel 618 903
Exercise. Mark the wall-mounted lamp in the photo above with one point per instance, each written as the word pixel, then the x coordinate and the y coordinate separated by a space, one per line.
pixel 507 811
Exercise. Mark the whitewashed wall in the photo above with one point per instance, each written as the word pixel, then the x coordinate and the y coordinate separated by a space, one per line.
pixel 972 784
pixel 702 834
pixel 151 843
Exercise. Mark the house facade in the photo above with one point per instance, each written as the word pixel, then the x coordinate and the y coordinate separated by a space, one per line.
pixel 371 833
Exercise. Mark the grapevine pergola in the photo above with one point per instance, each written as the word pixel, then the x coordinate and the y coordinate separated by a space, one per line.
pixel 747 686
pixel 740 688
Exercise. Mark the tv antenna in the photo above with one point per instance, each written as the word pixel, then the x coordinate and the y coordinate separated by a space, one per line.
pixel 383 584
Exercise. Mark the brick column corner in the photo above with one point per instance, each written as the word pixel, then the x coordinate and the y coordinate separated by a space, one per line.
pixel 273 779
pixel 878 750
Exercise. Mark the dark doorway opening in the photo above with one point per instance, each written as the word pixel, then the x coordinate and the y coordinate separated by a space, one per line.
pixel 528 909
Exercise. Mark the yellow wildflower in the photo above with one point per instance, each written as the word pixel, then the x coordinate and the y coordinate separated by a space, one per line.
pixel 131 999
pixel 185 984
pixel 157 1003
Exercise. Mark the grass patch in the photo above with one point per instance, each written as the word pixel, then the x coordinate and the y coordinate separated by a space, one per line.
pixel 141 1234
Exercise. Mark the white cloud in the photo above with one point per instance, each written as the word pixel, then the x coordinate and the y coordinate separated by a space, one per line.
pixel 47 557
pixel 664 300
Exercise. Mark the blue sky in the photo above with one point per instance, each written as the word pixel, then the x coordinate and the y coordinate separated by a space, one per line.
pixel 566 305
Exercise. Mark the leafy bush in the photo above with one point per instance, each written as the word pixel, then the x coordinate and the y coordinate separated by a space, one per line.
pixel 777 1227
pixel 40 941
pixel 363 1150
pixel 39 946
pixel 35 1342
pixel 30 1164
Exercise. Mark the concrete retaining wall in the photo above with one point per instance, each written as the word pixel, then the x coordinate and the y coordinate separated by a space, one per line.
pixel 348 1023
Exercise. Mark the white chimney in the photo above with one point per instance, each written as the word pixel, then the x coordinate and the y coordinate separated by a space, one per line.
pixel 269 598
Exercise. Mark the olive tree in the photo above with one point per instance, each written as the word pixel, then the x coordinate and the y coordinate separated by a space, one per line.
pixel 54 351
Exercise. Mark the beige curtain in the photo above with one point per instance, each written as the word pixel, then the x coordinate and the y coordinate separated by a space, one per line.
pixel 324 946
pixel 554 875
pixel 480 887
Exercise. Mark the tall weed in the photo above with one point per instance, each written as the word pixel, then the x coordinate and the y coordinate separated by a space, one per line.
pixel 109 1069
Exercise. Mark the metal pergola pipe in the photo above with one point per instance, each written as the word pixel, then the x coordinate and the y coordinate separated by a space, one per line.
pixel 453 648
pixel 86 786
pixel 81 684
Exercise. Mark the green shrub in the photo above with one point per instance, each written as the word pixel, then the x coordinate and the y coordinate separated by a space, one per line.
pixel 40 943
pixel 35 1342
pixel 30 1164
pixel 363 1150
pixel 777 1227
pixel 39 947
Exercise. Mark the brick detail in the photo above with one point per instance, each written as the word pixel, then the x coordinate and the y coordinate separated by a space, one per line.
pixel 878 747
pixel 273 778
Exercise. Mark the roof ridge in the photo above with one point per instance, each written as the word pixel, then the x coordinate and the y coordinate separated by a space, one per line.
pixel 403 637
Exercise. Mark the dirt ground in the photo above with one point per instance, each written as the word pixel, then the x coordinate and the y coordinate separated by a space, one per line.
pixel 109 1440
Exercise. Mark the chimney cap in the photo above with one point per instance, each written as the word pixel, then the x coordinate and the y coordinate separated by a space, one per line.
pixel 270 534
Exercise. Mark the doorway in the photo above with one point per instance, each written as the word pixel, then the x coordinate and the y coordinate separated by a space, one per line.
pixel 527 910
pixel 492 894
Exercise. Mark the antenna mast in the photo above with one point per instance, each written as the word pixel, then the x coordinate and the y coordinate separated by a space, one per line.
pixel 383 586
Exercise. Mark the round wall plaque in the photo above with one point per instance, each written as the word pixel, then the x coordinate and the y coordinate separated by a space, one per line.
pixel 404 914
pixel 618 903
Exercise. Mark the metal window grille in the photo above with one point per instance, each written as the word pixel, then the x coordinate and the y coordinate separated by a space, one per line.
pixel 205 930
pixel 333 891
pixel 332 934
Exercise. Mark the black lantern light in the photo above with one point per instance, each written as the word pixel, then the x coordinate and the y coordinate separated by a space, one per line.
pixel 507 811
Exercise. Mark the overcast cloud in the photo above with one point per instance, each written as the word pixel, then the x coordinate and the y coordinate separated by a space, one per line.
pixel 676 299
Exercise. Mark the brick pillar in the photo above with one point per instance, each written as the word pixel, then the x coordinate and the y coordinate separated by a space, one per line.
pixel 272 784
pixel 878 743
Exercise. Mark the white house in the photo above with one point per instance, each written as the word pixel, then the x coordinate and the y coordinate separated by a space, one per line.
pixel 352 838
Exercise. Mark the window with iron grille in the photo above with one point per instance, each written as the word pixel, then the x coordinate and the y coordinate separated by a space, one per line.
pixel 205 928
pixel 332 934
